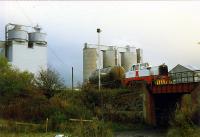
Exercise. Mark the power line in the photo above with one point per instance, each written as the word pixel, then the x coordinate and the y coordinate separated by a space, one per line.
pixel 58 57
pixel 30 20
pixel 23 12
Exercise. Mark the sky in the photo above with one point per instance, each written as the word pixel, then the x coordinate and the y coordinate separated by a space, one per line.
pixel 167 31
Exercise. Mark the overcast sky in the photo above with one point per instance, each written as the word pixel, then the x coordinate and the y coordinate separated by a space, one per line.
pixel 168 32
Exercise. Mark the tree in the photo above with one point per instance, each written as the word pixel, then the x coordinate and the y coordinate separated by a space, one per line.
pixel 12 81
pixel 4 64
pixel 49 81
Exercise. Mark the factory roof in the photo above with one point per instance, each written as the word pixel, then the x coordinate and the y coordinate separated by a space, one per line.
pixel 193 68
pixel 182 68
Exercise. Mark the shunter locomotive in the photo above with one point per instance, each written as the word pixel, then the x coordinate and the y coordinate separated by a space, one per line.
pixel 149 75
pixel 141 72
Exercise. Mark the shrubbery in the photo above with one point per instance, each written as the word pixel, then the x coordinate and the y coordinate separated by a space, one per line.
pixel 117 105
pixel 29 98
pixel 24 97
pixel 183 122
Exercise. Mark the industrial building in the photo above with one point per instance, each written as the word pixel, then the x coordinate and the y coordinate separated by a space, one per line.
pixel 110 56
pixel 185 73
pixel 25 47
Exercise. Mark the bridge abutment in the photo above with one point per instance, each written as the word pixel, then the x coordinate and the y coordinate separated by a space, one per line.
pixel 159 106
pixel 149 108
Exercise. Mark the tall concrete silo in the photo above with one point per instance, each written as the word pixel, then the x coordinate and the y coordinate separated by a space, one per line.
pixel 139 55
pixel 128 58
pixel 109 57
pixel 89 62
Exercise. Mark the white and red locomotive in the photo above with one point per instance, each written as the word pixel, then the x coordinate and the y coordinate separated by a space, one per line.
pixel 150 75
pixel 116 76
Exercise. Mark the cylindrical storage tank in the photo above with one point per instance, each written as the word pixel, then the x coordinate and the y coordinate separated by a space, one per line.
pixel 128 59
pixel 139 55
pixel 110 76
pixel 109 58
pixel 17 34
pixel 89 62
pixel 37 36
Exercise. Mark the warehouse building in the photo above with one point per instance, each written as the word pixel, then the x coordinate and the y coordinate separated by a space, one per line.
pixel 188 73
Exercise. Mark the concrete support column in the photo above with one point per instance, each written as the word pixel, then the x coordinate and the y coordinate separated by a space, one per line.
pixel 149 108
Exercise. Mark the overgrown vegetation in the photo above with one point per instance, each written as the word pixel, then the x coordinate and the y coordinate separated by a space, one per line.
pixel 34 99
pixel 49 81
pixel 184 123
pixel 116 105
pixel 24 97
pixel 31 100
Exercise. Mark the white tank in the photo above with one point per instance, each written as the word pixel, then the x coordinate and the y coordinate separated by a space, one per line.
pixel 89 62
pixel 17 34
pixel 128 59
pixel 37 36
pixel 109 58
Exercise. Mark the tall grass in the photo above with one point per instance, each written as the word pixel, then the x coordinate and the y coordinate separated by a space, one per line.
pixel 8 134
pixel 182 125
pixel 95 128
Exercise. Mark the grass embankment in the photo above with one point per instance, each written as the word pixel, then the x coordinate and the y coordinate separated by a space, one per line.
pixel 6 134
pixel 119 114
pixel 94 128
pixel 34 98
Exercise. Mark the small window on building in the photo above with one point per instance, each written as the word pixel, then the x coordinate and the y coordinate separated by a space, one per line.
pixel 30 45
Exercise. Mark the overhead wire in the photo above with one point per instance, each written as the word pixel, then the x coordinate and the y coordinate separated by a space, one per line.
pixel 51 50
pixel 52 6
pixel 24 12
pixel 30 21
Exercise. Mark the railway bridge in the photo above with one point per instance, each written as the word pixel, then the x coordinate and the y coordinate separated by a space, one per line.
pixel 163 95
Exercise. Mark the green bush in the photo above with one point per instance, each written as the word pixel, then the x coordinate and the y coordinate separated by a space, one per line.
pixel 14 83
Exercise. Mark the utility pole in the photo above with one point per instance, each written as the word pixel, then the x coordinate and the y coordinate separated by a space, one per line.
pixel 99 58
pixel 99 67
pixel 72 78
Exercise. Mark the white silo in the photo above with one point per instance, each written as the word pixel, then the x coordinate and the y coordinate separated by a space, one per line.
pixel 18 51
pixel 89 61
pixel 128 58
pixel 109 57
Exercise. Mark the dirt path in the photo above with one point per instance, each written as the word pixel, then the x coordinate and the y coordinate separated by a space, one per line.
pixel 141 133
